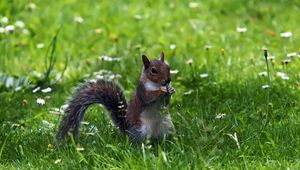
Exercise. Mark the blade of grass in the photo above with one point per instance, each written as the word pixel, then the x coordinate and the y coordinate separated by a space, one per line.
pixel 51 57
pixel 2 147
pixel 78 152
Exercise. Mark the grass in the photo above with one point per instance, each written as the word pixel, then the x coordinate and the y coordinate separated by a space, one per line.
pixel 265 121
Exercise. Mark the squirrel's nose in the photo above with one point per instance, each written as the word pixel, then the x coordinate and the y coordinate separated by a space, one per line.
pixel 165 82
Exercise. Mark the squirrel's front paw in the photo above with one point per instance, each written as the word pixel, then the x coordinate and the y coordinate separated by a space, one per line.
pixel 171 90
pixel 168 90
pixel 164 89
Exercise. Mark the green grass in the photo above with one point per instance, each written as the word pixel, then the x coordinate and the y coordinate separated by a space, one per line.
pixel 266 121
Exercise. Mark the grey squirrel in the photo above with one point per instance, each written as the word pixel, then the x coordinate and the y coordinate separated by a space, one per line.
pixel 145 116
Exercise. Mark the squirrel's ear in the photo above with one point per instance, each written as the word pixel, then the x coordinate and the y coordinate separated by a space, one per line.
pixel 162 57
pixel 146 61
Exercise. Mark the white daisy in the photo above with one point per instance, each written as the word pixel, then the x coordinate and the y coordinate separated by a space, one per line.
pixel 40 45
pixel 271 57
pixel 19 24
pixel 57 161
pixel 263 73
pixel 138 17
pixel 241 29
pixel 287 61
pixel 114 76
pixel 2 30
pixel 36 89
pixel 189 61
pixel 40 101
pixel 174 71
pixel 9 28
pixel 4 20
pixel 282 75
pixel 286 34
pixel 99 77
pixel 94 80
pixel 220 115
pixel 31 6
pixel 108 58
pixel 207 46
pixel 204 75
pixel 47 90
pixel 84 123
pixel 265 86
pixel 64 107
pixel 78 19
pixel 193 5
pixel 172 46
pixel 80 149
pixel 292 54
pixel 25 31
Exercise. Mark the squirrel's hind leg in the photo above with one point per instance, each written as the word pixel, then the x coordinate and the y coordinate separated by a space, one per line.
pixel 136 135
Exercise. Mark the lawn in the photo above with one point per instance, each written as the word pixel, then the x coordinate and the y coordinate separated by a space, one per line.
pixel 235 67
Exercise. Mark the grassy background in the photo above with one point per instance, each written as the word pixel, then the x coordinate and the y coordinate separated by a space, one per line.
pixel 266 121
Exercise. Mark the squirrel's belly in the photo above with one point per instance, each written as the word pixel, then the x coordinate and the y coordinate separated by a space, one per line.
pixel 156 126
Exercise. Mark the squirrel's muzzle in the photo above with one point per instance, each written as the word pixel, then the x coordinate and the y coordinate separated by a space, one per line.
pixel 166 82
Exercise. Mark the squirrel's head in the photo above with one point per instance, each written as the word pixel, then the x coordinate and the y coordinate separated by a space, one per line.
pixel 157 70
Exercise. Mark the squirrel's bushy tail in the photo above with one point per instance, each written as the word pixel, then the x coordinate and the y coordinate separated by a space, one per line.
pixel 101 92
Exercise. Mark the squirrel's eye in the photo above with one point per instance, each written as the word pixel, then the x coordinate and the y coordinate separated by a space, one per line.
pixel 153 70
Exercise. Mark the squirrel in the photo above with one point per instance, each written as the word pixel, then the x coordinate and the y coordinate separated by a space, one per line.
pixel 146 116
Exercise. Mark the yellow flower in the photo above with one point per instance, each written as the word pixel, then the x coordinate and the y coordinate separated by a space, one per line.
pixel 49 147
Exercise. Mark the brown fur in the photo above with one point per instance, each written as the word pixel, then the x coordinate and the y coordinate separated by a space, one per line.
pixel 128 119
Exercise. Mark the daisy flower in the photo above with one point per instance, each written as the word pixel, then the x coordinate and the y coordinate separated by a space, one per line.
pixel 47 90
pixel 286 34
pixel 19 24
pixel 172 46
pixel 292 54
pixel 282 76
pixel 220 115
pixel 40 45
pixel 263 73
pixel 9 28
pixel 193 5
pixel 40 101
pixel 78 19
pixel 174 71
pixel 4 20
pixel 241 29
pixel 204 75
pixel 189 61
pixel 265 86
